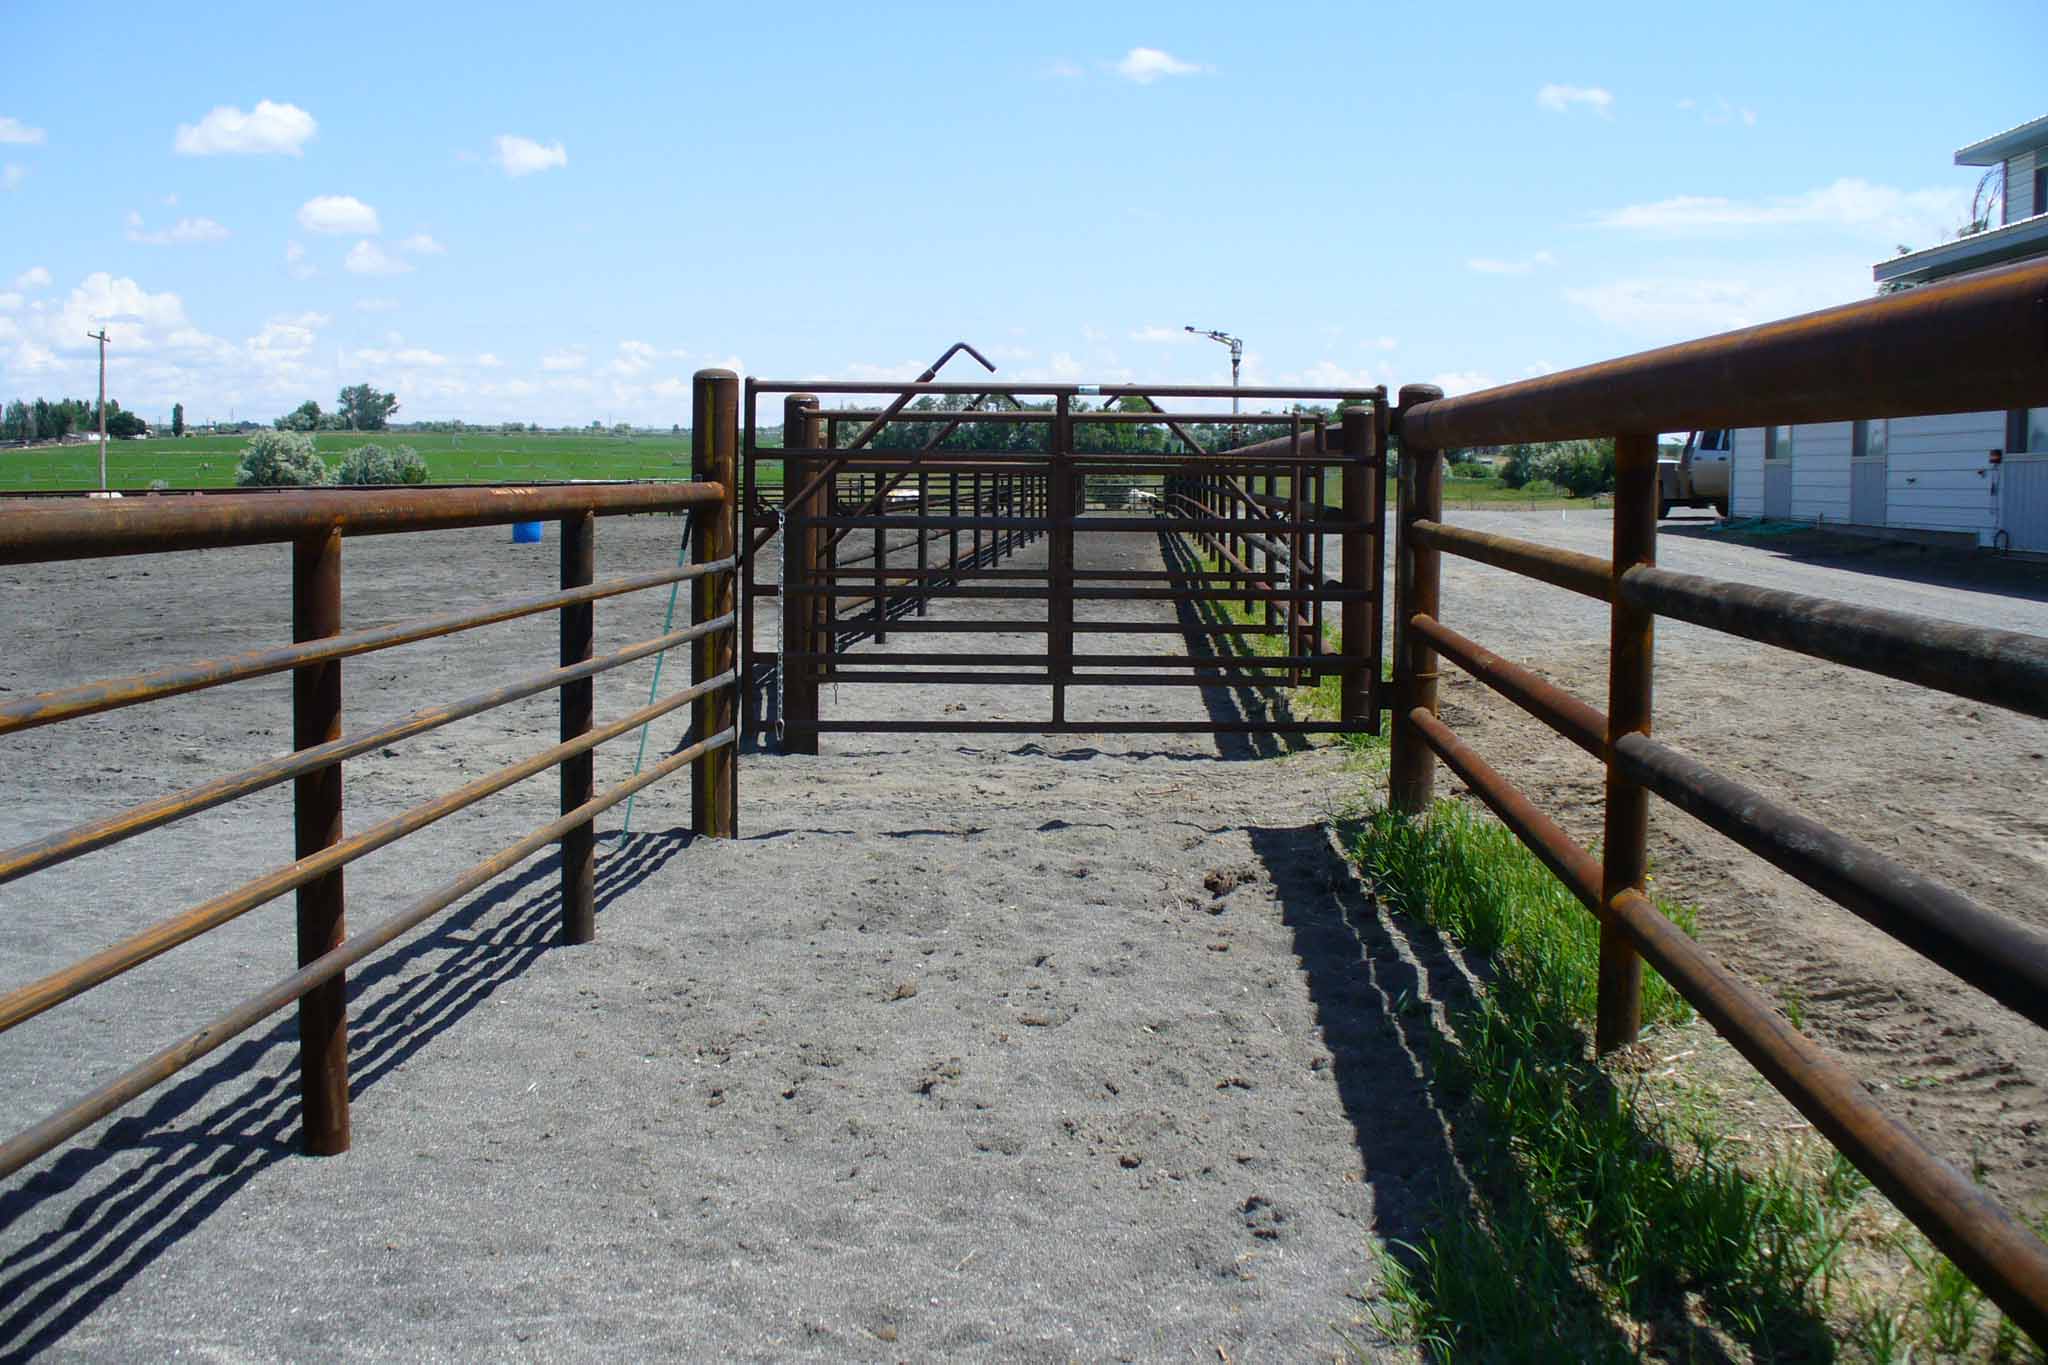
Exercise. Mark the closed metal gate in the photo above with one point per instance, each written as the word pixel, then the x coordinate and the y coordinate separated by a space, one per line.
pixel 921 506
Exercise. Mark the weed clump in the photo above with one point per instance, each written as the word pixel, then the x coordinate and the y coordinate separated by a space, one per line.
pixel 375 464
pixel 281 459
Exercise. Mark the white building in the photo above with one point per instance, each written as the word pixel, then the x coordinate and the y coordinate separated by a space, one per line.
pixel 1977 475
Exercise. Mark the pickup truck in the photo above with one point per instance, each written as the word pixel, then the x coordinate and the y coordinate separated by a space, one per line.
pixel 1699 477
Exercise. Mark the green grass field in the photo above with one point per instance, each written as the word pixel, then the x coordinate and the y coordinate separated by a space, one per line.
pixel 470 457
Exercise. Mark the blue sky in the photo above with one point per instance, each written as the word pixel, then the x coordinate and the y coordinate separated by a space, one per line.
pixel 541 213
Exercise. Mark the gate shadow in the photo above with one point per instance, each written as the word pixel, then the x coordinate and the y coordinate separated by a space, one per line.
pixel 1226 704
pixel 1382 987
pixel 201 1140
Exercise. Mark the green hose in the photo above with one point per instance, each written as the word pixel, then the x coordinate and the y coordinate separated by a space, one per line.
pixel 668 623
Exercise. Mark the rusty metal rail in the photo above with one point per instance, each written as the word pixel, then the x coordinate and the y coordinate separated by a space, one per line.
pixel 315 524
pixel 1975 344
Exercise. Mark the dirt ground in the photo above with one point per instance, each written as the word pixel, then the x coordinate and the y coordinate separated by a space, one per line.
pixel 984 1046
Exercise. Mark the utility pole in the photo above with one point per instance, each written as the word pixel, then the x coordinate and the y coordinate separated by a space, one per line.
pixel 101 337
pixel 1236 345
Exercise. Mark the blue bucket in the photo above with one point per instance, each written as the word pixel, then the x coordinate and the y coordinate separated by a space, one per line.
pixel 526 532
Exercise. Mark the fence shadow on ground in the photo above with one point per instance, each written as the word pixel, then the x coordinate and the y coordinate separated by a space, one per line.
pixel 1226 705
pixel 151 1178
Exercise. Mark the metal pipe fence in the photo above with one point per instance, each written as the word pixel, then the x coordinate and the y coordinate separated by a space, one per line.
pixel 1978 343
pixel 316 524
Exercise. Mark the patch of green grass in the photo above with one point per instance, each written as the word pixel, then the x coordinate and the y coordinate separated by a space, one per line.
pixel 1598 1226
pixel 452 457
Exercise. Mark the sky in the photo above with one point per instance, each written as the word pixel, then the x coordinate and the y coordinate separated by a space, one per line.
pixel 531 213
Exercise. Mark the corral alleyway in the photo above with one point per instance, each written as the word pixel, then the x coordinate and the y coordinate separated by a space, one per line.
pixel 1034 1049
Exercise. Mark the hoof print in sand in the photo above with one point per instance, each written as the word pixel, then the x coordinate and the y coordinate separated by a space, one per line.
pixel 1263 1218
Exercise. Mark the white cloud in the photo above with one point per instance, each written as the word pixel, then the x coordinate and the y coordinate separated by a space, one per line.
pixel 523 156
pixel 1883 210
pixel 1676 306
pixel 123 307
pixel 10 302
pixel 338 214
pixel 420 244
pixel 1145 65
pixel 1559 99
pixel 1487 265
pixel 1719 110
pixel 1161 334
pixel 1062 69
pixel 267 130
pixel 1382 343
pixel 184 232
pixel 572 359
pixel 14 130
pixel 1462 381
pixel 367 258
pixel 295 262
pixel 1328 374
pixel 33 278
pixel 286 341
pixel 12 174
pixel 376 305
pixel 634 357
pixel 488 361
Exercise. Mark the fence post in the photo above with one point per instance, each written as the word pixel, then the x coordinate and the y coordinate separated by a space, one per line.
pixel 579 710
pixel 924 556
pixel 1411 778
pixel 1356 614
pixel 802 615
pixel 1060 557
pixel 1631 654
pixel 316 802
pixel 714 447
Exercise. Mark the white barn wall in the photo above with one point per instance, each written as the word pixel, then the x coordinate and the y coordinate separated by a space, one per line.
pixel 1820 471
pixel 1747 459
pixel 2019 187
pixel 1938 477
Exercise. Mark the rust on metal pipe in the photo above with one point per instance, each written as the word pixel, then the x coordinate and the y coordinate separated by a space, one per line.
pixel 1543 836
pixel 1631 660
pixel 2005 1259
pixel 714 452
pixel 134 526
pixel 1411 771
pixel 85 699
pixel 1966 345
pixel 66 1123
pixel 64 845
pixel 1577 720
pixel 2003 958
pixel 2003 668
pixel 317 829
pixel 25 1002
pixel 1568 569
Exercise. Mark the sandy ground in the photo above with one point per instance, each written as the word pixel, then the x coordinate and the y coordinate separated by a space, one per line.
pixel 972 1047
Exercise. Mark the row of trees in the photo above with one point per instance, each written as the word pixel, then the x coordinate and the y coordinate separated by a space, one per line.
pixel 1580 468
pixel 359 407
pixel 44 420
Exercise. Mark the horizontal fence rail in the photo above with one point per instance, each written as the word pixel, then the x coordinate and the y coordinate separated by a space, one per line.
pixel 315 524
pixel 1975 344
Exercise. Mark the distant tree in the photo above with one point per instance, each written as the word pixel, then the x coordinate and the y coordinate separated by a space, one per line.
pixel 43 421
pixel 124 424
pixel 177 419
pixel 362 408
pixel 305 417
pixel 281 459
pixel 14 423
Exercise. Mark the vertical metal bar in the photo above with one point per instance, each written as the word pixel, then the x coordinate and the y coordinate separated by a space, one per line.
pixel 317 821
pixel 1060 557
pixel 1382 426
pixel 953 532
pixel 1631 655
pixel 1297 555
pixel 881 556
pixel 802 614
pixel 579 711
pixel 1355 689
pixel 1411 776
pixel 714 441
pixel 749 499
pixel 924 509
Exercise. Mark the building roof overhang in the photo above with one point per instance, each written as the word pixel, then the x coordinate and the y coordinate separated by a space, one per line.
pixel 2014 242
pixel 1996 148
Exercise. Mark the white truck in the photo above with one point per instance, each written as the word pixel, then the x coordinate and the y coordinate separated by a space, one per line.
pixel 1700 477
